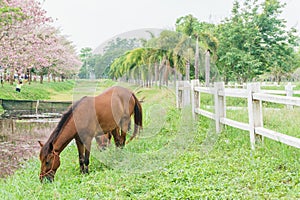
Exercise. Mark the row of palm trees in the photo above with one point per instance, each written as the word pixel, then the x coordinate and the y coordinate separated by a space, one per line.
pixel 171 54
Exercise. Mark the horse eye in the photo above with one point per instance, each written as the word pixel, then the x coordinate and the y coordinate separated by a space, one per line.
pixel 47 162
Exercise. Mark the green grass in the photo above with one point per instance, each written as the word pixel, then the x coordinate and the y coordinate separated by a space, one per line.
pixel 55 90
pixel 36 91
pixel 219 168
pixel 173 158
pixel 283 120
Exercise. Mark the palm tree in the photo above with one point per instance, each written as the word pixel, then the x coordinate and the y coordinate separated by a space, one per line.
pixel 201 32
pixel 170 52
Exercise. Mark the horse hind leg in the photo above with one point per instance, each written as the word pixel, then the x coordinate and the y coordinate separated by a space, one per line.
pixel 116 134
pixel 125 125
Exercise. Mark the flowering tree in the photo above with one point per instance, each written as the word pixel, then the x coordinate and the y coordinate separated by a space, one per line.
pixel 27 40
pixel 55 55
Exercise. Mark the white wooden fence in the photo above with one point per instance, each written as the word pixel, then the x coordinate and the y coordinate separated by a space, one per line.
pixel 254 96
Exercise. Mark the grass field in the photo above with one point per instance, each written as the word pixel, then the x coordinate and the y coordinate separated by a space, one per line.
pixel 174 158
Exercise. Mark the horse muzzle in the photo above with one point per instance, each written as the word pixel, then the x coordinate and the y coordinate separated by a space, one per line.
pixel 47 177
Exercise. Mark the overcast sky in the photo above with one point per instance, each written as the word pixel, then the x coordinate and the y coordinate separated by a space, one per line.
pixel 89 23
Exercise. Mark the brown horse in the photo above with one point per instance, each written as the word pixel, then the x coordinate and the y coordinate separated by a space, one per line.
pixel 106 113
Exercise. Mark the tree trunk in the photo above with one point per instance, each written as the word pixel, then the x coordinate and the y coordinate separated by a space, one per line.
pixel 166 74
pixel 187 71
pixel 162 66
pixel 5 75
pixel 41 78
pixel 160 76
pixel 29 76
pixel 197 60
pixel 54 78
pixel 12 74
pixel 207 68
pixel 149 78
pixel 156 73
pixel 175 75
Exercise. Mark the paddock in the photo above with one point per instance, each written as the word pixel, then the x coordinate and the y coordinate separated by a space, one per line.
pixel 190 93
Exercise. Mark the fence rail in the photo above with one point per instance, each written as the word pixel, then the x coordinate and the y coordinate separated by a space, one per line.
pixel 254 96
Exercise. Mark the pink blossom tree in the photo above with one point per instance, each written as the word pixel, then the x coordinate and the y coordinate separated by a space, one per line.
pixel 27 40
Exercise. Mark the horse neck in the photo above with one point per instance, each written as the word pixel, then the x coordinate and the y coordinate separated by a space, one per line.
pixel 67 133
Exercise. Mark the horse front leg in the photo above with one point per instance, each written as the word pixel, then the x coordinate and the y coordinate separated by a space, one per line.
pixel 80 148
pixel 88 143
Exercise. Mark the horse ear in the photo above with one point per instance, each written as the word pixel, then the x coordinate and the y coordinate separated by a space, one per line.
pixel 41 144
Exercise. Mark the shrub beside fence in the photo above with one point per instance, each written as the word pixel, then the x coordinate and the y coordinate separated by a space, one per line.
pixel 254 96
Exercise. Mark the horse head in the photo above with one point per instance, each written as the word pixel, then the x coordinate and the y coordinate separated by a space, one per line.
pixel 50 161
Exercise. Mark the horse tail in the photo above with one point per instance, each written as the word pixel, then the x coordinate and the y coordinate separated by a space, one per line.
pixel 138 118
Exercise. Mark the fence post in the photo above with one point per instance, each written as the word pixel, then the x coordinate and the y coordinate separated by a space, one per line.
pixel 219 105
pixel 183 94
pixel 207 68
pixel 254 113
pixel 194 96
pixel 289 93
pixel 186 93
pixel 177 94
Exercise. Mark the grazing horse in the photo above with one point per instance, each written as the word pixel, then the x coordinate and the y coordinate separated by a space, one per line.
pixel 106 113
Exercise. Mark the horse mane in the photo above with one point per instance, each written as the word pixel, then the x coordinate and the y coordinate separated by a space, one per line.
pixel 65 117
